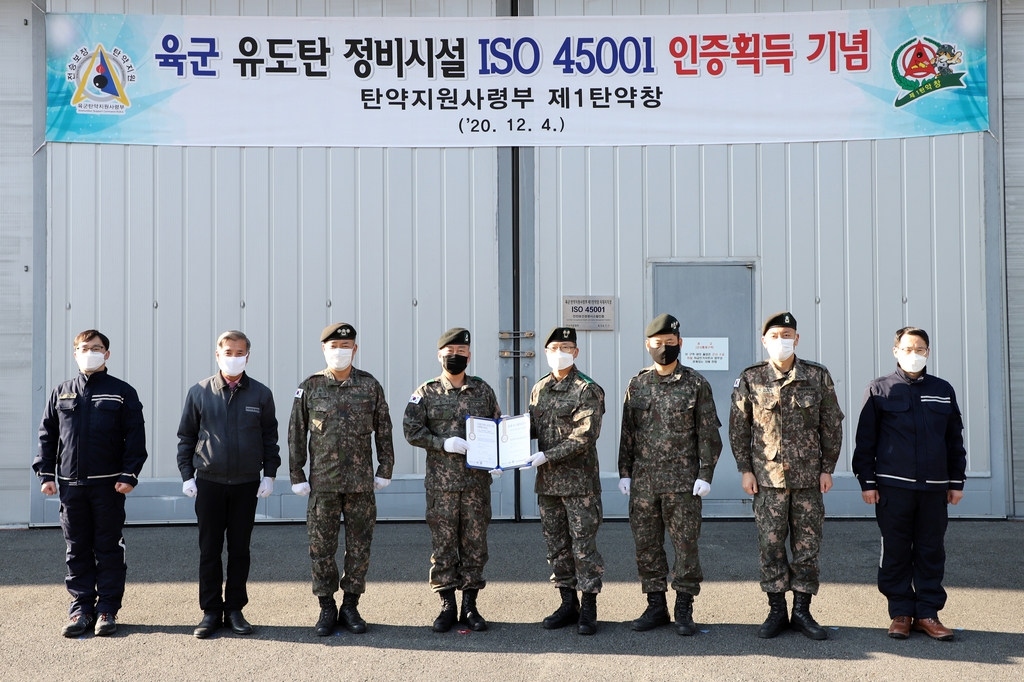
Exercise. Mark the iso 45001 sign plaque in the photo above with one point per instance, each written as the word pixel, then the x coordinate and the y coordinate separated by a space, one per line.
pixel 589 313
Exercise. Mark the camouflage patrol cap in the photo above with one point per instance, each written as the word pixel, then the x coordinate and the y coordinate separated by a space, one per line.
pixel 561 335
pixel 783 319
pixel 454 336
pixel 662 324
pixel 339 330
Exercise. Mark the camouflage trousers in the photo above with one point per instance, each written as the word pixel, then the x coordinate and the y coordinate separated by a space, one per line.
pixel 458 532
pixel 323 522
pixel 570 528
pixel 650 515
pixel 799 513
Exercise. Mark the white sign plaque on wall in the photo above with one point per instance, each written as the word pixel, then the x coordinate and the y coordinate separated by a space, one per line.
pixel 705 353
pixel 589 313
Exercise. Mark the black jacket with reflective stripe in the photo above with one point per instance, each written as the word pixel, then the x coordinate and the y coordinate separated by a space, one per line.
pixel 92 432
pixel 910 435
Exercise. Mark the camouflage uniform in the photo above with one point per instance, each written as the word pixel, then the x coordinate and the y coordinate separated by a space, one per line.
pixel 565 418
pixel 669 439
pixel 458 498
pixel 787 429
pixel 338 417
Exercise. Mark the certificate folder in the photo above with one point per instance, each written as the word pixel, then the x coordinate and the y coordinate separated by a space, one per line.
pixel 498 443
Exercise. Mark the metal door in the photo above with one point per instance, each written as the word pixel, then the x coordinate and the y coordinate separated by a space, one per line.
pixel 714 301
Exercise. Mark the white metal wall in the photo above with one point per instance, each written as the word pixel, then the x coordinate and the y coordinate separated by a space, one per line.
pixel 857 239
pixel 162 248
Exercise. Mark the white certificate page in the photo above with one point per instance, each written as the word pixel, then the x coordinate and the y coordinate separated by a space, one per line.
pixel 514 441
pixel 482 436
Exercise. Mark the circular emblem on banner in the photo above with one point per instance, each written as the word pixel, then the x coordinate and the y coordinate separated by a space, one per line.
pixel 100 79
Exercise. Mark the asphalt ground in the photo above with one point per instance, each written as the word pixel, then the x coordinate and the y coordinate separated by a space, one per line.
pixel 984 578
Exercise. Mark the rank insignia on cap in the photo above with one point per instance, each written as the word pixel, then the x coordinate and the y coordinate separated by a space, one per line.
pixel 298 393
pixel 565 333
pixel 415 399
pixel 465 337
pixel 675 325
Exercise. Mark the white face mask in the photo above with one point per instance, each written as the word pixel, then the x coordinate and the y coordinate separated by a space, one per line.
pixel 338 359
pixel 912 363
pixel 90 362
pixel 778 349
pixel 558 360
pixel 232 367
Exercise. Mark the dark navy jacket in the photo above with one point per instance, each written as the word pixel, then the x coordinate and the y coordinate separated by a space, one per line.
pixel 92 432
pixel 228 437
pixel 910 435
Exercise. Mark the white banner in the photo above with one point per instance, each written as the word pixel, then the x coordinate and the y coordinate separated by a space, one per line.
pixel 536 81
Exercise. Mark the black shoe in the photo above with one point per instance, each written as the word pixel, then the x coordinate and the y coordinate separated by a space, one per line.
pixel 237 622
pixel 802 620
pixel 210 623
pixel 656 614
pixel 469 615
pixel 684 614
pixel 777 620
pixel 106 624
pixel 567 613
pixel 328 617
pixel 77 624
pixel 449 612
pixel 349 616
pixel 588 614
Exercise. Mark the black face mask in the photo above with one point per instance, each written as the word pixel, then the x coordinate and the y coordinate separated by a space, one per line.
pixel 454 364
pixel 665 355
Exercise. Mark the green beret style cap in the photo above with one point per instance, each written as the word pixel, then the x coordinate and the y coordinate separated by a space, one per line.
pixel 663 324
pixel 783 319
pixel 340 330
pixel 455 335
pixel 561 335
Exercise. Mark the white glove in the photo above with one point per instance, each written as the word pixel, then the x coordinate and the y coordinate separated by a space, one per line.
pixel 301 489
pixel 701 488
pixel 189 487
pixel 379 483
pixel 537 460
pixel 266 487
pixel 495 473
pixel 624 485
pixel 456 445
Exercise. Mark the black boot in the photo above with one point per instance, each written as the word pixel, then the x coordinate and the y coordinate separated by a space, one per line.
pixel 802 620
pixel 449 612
pixel 349 614
pixel 328 617
pixel 567 614
pixel 777 619
pixel 656 614
pixel 470 616
pixel 588 614
pixel 684 614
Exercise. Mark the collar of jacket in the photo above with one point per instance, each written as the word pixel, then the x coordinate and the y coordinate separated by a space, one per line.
pixel 676 374
pixel 798 372
pixel 903 375
pixel 352 378
pixel 95 376
pixel 221 385
pixel 564 384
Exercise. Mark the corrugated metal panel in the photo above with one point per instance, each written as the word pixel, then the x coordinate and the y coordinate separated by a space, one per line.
pixel 856 238
pixel 163 248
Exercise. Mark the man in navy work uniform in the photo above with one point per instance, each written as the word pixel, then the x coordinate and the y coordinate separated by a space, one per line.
pixel 911 462
pixel 92 441
pixel 227 436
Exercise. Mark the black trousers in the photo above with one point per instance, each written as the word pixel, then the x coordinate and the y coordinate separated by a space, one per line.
pixel 92 518
pixel 913 525
pixel 224 510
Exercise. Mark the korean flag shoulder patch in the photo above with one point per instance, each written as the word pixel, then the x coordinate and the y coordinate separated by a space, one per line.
pixel 736 384
pixel 415 399
pixel 298 393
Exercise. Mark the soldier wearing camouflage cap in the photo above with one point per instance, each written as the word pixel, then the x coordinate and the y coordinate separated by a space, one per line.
pixel 458 498
pixel 668 450
pixel 566 408
pixel 333 415
pixel 786 430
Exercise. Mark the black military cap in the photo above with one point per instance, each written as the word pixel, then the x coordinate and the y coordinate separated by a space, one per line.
pixel 663 324
pixel 561 335
pixel 340 330
pixel 783 319
pixel 456 336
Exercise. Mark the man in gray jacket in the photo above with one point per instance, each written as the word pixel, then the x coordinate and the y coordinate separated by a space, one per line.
pixel 227 436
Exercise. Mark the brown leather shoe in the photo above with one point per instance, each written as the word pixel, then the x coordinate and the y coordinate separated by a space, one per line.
pixel 900 628
pixel 933 628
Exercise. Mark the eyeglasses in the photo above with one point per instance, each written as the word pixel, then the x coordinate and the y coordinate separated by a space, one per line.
pixel 564 347
pixel 907 350
pixel 91 349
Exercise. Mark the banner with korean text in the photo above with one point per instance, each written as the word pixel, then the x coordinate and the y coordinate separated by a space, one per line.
pixel 529 81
